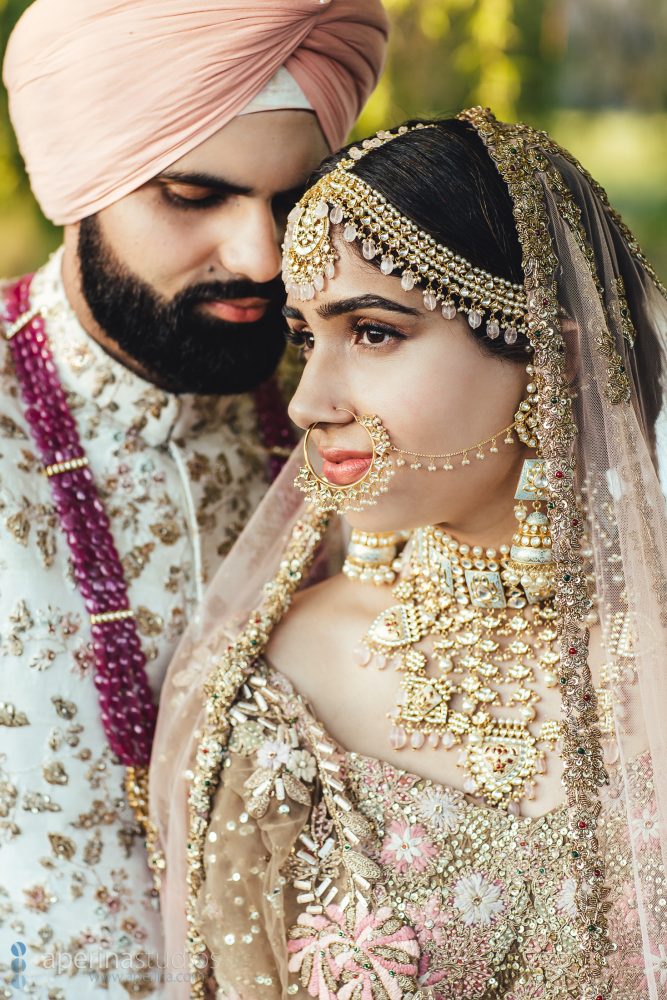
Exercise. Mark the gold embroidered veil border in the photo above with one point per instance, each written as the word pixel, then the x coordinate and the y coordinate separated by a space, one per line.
pixel 601 388
pixel 601 384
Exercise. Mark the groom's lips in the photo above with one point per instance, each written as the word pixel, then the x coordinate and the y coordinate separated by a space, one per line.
pixel 237 310
pixel 342 467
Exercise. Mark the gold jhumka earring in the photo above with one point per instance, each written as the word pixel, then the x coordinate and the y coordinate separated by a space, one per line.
pixel 531 560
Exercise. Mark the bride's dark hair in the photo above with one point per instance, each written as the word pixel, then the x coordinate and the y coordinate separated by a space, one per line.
pixel 443 179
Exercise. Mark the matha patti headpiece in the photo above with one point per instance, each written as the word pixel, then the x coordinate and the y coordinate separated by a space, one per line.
pixel 341 197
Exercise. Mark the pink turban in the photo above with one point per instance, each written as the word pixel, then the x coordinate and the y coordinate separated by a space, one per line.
pixel 104 94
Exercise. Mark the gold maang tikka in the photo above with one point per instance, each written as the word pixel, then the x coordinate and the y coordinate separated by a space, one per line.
pixel 446 278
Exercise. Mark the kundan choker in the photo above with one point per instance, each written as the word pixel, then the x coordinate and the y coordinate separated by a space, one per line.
pixel 470 644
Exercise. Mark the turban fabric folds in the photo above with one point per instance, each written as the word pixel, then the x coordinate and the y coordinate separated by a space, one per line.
pixel 104 94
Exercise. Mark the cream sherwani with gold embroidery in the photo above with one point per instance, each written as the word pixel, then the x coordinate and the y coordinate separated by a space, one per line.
pixel 179 476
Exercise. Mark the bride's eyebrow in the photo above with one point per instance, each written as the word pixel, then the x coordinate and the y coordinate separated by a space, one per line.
pixel 290 313
pixel 332 309
pixel 329 310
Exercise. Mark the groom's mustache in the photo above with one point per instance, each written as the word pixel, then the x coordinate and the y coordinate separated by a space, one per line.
pixel 224 291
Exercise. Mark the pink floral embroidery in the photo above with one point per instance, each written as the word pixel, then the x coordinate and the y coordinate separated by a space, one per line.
pixel 314 952
pixel 645 826
pixel 431 922
pixel 407 847
pixel 457 972
pixel 336 963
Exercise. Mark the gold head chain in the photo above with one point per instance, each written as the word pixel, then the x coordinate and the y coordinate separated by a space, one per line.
pixel 447 278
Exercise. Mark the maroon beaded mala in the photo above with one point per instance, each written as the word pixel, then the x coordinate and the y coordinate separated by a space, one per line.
pixel 127 710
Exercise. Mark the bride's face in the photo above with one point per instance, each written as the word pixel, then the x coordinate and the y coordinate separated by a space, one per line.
pixel 372 348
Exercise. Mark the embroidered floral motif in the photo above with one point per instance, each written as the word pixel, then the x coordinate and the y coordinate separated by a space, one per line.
pixel 273 755
pixel 371 956
pixel 440 808
pixel 302 765
pixel 279 774
pixel 645 826
pixel 431 922
pixel 477 904
pixel 407 846
pixel 478 899
pixel 38 898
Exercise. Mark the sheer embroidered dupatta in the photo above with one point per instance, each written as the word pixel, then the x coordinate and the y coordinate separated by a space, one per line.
pixel 598 327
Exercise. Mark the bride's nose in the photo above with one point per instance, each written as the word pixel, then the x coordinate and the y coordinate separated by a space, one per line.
pixel 321 396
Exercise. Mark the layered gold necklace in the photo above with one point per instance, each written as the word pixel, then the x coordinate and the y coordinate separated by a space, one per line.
pixel 470 646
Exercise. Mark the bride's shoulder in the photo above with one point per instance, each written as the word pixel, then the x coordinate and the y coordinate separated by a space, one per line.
pixel 324 622
pixel 312 611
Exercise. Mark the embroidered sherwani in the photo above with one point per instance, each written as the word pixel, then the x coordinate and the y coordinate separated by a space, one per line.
pixel 179 475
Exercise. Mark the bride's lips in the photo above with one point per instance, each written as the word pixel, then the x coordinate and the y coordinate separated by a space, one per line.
pixel 237 310
pixel 342 467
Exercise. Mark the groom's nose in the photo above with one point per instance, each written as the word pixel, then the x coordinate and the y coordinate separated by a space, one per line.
pixel 249 241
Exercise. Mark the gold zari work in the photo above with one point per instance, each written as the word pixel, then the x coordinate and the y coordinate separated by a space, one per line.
pixel 387 882
pixel 517 152
pixel 228 673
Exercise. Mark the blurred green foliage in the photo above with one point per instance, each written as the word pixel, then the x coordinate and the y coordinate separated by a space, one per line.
pixel 591 72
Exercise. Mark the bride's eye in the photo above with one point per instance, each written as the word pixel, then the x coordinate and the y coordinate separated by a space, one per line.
pixel 373 334
pixel 302 339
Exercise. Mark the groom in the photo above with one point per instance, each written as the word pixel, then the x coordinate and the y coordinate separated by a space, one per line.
pixel 138 418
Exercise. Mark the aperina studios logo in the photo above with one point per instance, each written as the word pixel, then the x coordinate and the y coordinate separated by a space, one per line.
pixel 129 969
pixel 18 964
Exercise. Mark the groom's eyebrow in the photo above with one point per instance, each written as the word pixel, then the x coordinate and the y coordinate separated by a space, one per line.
pixel 203 180
pixel 223 187
pixel 332 309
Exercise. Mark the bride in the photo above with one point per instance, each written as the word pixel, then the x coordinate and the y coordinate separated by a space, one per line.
pixel 440 770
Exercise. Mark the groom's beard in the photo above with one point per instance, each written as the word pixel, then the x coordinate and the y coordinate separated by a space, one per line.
pixel 174 341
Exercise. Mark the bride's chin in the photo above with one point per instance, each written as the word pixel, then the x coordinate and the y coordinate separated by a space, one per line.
pixel 386 516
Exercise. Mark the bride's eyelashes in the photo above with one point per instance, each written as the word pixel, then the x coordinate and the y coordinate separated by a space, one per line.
pixel 376 335
pixel 365 333
pixel 302 339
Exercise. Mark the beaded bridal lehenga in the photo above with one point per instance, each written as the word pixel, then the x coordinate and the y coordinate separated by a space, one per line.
pixel 292 866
